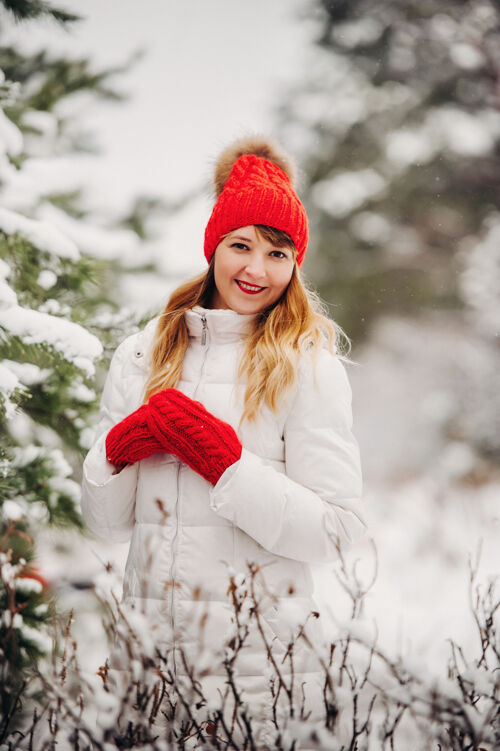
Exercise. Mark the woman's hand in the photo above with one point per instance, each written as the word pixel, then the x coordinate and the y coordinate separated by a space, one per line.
pixel 131 440
pixel 185 428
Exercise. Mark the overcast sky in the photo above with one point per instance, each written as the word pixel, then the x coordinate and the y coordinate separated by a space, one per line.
pixel 212 71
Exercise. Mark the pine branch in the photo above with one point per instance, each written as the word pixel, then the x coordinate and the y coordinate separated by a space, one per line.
pixel 24 10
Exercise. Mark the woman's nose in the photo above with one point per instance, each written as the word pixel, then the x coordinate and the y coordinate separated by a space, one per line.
pixel 255 267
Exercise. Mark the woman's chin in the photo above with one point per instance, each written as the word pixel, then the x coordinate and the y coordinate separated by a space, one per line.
pixel 248 308
pixel 243 305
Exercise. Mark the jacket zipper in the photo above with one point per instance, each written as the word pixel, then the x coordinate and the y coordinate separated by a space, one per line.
pixel 176 534
pixel 204 329
pixel 174 550
pixel 203 344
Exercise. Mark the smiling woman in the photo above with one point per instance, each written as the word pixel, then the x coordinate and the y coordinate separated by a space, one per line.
pixel 251 271
pixel 268 473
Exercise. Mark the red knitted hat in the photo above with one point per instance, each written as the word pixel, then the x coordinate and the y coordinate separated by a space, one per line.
pixel 254 185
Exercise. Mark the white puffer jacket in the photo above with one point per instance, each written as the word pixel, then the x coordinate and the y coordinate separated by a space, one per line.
pixel 290 500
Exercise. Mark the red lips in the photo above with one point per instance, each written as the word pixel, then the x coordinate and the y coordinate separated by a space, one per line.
pixel 248 291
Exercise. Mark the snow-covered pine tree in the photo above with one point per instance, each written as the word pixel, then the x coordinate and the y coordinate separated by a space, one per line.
pixel 54 301
pixel 398 124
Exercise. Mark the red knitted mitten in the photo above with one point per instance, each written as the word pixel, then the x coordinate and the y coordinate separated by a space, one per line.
pixel 131 440
pixel 198 438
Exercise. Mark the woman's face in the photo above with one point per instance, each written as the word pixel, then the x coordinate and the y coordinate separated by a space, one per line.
pixel 250 273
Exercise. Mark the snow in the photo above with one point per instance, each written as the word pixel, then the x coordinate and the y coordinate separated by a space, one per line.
pixel 47 279
pixel 363 31
pixel 479 281
pixel 45 123
pixel 59 463
pixel 5 270
pixel 346 191
pixel 41 234
pixel 445 128
pixel 8 620
pixel 64 486
pixel 180 251
pixel 87 438
pixel 37 512
pixel 9 382
pixel 466 56
pixel 54 308
pixel 462 133
pixel 94 241
pixel 11 138
pixel 26 585
pixel 81 392
pixel 27 373
pixel 37 636
pixel 457 458
pixel 358 628
pixel 71 340
pixel 12 511
pixel 23 189
pixel 409 146
pixel 483 681
pixel 443 27
pixel 401 59
pixel 7 295
pixel 425 518
pixel 26 454
pixel 371 227
pixel 311 108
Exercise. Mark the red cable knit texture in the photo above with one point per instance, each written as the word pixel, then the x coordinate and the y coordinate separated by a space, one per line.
pixel 185 428
pixel 131 440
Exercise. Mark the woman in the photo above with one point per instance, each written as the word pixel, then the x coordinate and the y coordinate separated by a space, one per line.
pixel 225 437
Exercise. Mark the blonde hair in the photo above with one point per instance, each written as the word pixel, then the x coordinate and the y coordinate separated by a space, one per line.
pixel 280 334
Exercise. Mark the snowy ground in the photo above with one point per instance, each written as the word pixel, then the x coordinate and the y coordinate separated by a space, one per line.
pixel 425 526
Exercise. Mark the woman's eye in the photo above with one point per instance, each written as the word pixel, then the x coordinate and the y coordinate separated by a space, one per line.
pixel 278 254
pixel 240 246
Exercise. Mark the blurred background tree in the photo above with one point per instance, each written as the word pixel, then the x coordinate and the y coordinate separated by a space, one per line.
pixel 397 122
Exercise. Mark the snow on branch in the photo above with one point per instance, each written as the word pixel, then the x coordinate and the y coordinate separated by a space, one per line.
pixel 41 234
pixel 72 341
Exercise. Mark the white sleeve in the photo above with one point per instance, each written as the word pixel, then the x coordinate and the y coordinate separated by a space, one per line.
pixel 108 499
pixel 315 506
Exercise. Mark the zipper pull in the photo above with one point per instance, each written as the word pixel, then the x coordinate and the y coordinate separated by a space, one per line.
pixel 204 330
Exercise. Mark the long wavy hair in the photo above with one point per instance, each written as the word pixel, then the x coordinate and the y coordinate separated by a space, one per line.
pixel 280 334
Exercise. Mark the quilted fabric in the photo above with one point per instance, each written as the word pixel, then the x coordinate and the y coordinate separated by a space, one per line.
pixel 290 500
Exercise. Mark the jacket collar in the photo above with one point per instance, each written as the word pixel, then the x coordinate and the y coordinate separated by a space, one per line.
pixel 219 325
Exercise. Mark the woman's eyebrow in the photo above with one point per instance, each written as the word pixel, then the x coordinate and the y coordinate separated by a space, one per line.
pixel 241 237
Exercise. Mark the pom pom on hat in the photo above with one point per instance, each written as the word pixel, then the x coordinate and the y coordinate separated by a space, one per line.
pixel 256 145
pixel 253 183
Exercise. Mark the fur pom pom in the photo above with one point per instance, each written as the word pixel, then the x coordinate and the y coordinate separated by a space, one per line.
pixel 258 145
